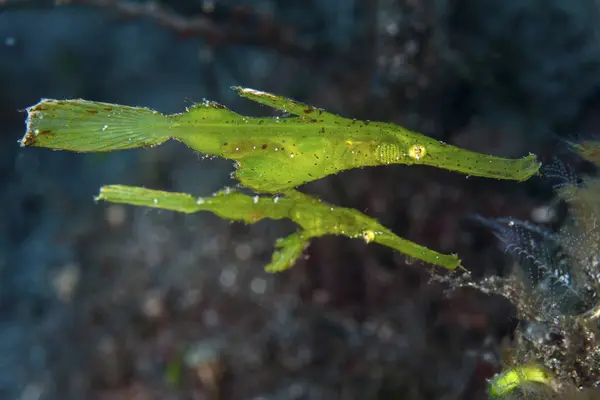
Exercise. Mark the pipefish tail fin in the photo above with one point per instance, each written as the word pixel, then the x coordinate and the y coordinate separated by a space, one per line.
pixel 138 196
pixel 228 203
pixel 86 126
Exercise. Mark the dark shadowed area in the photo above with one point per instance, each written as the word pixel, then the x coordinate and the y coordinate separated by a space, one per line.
pixel 102 301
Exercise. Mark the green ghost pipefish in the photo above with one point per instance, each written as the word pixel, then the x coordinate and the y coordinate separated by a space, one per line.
pixel 315 218
pixel 271 154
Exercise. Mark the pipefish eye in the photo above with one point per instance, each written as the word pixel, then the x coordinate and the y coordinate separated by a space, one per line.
pixel 417 151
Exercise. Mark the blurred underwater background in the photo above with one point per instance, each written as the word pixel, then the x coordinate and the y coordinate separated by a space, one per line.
pixel 102 301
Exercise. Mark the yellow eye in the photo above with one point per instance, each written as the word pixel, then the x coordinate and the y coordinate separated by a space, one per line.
pixel 369 236
pixel 417 151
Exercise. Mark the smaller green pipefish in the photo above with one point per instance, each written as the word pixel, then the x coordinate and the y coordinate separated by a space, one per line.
pixel 315 218
pixel 271 154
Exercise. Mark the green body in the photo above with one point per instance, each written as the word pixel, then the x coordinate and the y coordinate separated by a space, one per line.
pixel 271 154
pixel 314 217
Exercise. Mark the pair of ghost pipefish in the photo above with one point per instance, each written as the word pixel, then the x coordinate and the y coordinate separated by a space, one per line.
pixel 272 155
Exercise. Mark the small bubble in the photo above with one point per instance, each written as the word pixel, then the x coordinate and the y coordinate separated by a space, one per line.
pixel 276 199
pixel 543 214
pixel 291 156
pixel 276 149
pixel 200 200
pixel 65 281
pixel 237 149
pixel 331 209
pixel 155 201
pixel 105 127
pixel 153 305
pixel 228 278
pixel 243 251
pixel 36 131
pixel 115 215
pixel 210 318
pixel 392 29
pixel 511 223
pixel 258 285
pixel 255 199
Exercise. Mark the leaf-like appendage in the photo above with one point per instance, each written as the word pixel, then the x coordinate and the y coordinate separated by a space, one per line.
pixel 304 111
pixel 288 249
pixel 315 218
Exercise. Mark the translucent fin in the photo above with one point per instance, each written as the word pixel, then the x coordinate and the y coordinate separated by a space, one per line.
pixel 139 196
pixel 80 125
pixel 284 104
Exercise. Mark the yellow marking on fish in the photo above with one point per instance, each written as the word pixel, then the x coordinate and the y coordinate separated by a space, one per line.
pixel 417 151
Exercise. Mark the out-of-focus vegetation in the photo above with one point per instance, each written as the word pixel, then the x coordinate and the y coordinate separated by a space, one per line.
pixel 556 290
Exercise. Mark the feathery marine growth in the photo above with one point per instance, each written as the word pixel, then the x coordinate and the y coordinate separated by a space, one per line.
pixel 558 293
pixel 272 156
